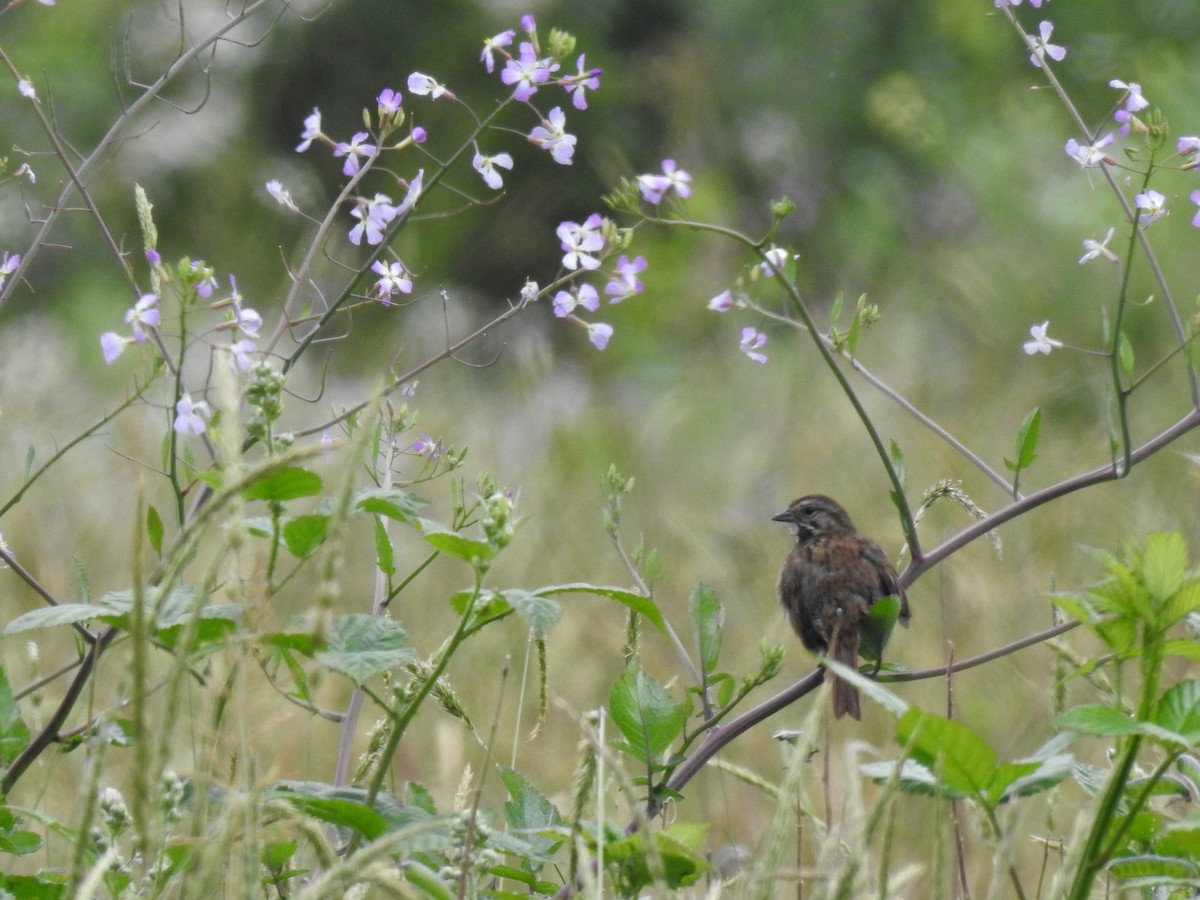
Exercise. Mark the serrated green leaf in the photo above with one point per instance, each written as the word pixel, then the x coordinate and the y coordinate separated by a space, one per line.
pixel 360 645
pixel 14 734
pixel 643 606
pixel 962 760
pixel 285 483
pixel 877 629
pixel 1178 710
pixel 1183 602
pixel 1098 720
pixel 53 616
pixel 540 613
pixel 706 614
pixel 913 778
pixel 1024 778
pixel 454 544
pixel 390 502
pixel 154 529
pixel 304 534
pixel 1164 564
pixel 528 811
pixel 384 552
pixel 645 714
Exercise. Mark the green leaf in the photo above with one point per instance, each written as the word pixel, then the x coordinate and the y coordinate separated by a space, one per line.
pixel 53 616
pixel 898 462
pixel 14 734
pixel 1164 564
pixel 285 483
pixel 706 613
pixel 154 529
pixel 304 534
pixel 1025 445
pixel 384 552
pixel 1183 602
pixel 1098 720
pixel 643 606
pixel 275 854
pixel 390 502
pixel 454 544
pixel 342 812
pixel 540 613
pixel 1125 353
pixel 881 619
pixel 645 714
pixel 1025 778
pixel 913 778
pixel 361 645
pixel 961 759
pixel 1178 710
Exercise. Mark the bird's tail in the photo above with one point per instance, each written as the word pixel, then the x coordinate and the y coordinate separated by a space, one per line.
pixel 843 647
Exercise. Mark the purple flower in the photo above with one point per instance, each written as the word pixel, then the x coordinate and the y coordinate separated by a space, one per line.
pixel 582 241
pixel 528 23
pixel 1089 155
pixel 752 340
pixel 777 258
pixel 565 302
pixel 112 345
pixel 353 150
pixel 312 130
pixel 723 302
pixel 190 418
pixel 599 333
pixel 584 80
pixel 1042 47
pixel 248 320
pixel 1194 196
pixel 206 281
pixel 492 44
pixel 1133 99
pixel 654 187
pixel 414 193
pixel 240 352
pixel 486 166
pixel 419 135
pixel 1041 343
pixel 1153 206
pixel 551 136
pixel 427 447
pixel 373 217
pixel 527 71
pixel 389 103
pixel 143 315
pixel 422 85
pixel 393 278
pixel 1188 146
pixel 625 281
pixel 153 257
pixel 8 265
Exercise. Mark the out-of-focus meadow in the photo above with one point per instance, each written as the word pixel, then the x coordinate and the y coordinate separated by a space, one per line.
pixel 926 163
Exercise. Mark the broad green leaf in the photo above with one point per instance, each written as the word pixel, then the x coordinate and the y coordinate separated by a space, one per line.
pixel 1152 866
pixel 286 483
pixel 342 812
pixel 881 619
pixel 1184 601
pixel 14 734
pixel 454 544
pixel 706 613
pixel 1164 564
pixel 1180 839
pixel 390 502
pixel 384 552
pixel 1098 720
pixel 1025 445
pixel 1188 648
pixel 540 613
pixel 275 854
pixel 154 529
pixel 304 534
pixel 16 841
pixel 645 714
pixel 643 606
pixel 962 760
pixel 1027 777
pixel 52 616
pixel 361 645
pixel 1178 710
pixel 527 808
pixel 913 778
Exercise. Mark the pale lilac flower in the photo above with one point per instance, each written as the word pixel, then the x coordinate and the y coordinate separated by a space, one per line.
pixel 240 354
pixel 281 195
pixel 373 217
pixel 422 85
pixel 353 150
pixel 389 103
pixel 419 135
pixel 584 80
pixel 527 71
pixel 654 187
pixel 190 417
pixel 248 320
pixel 26 171
pixel 581 241
pixel 427 447
pixel 566 302
pixel 1133 99
pixel 112 345
pixel 528 24
pixel 1042 47
pixel 1194 196
pixel 312 130
pixel 153 256
pixel 1089 155
pixel 143 315
pixel 1041 343
pixel 25 86
pixel 777 257
pixel 1153 206
pixel 1188 146
pixel 492 44
pixel 414 193
pixel 599 333
pixel 625 281
pixel 486 166
pixel 8 265
pixel 1000 4
pixel 206 281
pixel 393 278
pixel 551 136
pixel 752 340
pixel 723 302
pixel 1096 248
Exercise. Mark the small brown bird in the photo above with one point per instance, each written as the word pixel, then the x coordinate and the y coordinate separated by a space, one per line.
pixel 829 582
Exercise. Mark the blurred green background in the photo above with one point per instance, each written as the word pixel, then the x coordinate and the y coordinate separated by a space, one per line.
pixel 925 160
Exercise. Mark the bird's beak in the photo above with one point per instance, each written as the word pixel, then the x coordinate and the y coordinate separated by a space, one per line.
pixel 785 516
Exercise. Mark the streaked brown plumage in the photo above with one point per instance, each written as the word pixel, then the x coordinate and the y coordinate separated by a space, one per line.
pixel 830 579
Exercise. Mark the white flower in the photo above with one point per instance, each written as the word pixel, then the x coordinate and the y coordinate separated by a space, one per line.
pixel 1098 248
pixel 1041 343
